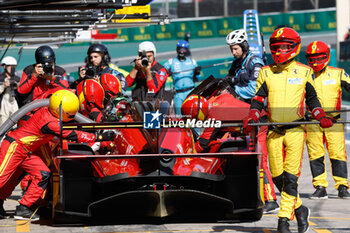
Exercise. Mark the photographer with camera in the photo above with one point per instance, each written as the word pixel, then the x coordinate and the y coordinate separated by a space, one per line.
pixel 149 75
pixel 98 63
pixel 8 88
pixel 42 76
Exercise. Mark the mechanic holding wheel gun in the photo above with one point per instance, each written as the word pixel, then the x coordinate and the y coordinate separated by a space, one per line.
pixel 286 84
pixel 17 151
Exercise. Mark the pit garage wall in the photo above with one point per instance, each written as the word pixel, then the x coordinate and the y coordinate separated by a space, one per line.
pixel 302 21
pixel 346 66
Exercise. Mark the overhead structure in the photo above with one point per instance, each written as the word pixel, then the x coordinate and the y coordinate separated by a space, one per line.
pixel 59 21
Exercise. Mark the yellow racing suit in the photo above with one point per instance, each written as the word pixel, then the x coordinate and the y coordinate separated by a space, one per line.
pixel 286 87
pixel 328 85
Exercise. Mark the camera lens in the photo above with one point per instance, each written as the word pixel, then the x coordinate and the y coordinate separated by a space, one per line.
pixel 48 69
pixel 144 61
pixel 91 71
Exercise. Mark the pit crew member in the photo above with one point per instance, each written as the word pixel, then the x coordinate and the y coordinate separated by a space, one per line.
pixel 287 85
pixel 329 82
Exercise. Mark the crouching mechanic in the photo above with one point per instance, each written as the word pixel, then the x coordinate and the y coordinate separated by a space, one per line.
pixel 222 106
pixel 328 84
pixel 16 149
pixel 286 84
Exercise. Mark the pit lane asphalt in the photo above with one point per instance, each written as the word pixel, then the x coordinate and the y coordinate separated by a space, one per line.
pixel 330 215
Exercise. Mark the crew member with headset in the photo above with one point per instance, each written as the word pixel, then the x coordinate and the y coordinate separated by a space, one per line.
pixel 97 63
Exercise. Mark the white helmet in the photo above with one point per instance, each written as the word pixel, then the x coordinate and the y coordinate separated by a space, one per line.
pixel 147 46
pixel 9 61
pixel 236 37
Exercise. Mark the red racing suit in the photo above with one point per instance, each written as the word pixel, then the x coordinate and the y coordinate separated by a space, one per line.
pixel 156 85
pixel 18 145
pixel 221 107
pixel 94 114
pixel 328 85
pixel 287 87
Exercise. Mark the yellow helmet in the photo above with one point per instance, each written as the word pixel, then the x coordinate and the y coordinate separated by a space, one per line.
pixel 70 104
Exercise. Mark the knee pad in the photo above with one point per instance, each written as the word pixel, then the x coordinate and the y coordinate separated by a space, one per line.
pixel 278 181
pixel 45 176
pixel 317 166
pixel 339 168
pixel 290 184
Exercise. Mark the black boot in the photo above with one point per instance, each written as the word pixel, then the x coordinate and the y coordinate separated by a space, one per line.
pixel 3 213
pixel 320 193
pixel 271 207
pixel 302 215
pixel 283 225
pixel 343 192
pixel 25 213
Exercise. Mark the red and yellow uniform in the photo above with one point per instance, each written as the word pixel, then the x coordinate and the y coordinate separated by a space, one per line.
pixel 328 85
pixel 18 145
pixel 287 87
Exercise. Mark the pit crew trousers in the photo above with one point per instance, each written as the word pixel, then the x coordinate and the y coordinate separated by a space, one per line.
pixel 335 143
pixel 44 153
pixel 285 158
pixel 14 156
pixel 269 191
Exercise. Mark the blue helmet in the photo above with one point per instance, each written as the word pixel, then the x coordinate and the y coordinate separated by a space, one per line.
pixel 183 44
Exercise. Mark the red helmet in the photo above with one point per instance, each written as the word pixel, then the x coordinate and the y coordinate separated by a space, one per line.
pixel 110 84
pixel 195 106
pixel 90 94
pixel 284 44
pixel 317 54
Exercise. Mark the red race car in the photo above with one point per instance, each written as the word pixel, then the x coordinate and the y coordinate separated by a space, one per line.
pixel 156 174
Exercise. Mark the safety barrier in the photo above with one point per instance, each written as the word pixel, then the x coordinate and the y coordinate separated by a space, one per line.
pixel 306 21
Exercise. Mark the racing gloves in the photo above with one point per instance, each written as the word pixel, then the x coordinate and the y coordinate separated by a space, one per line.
pixel 253 117
pixel 320 115
pixel 197 70
pixel 105 136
